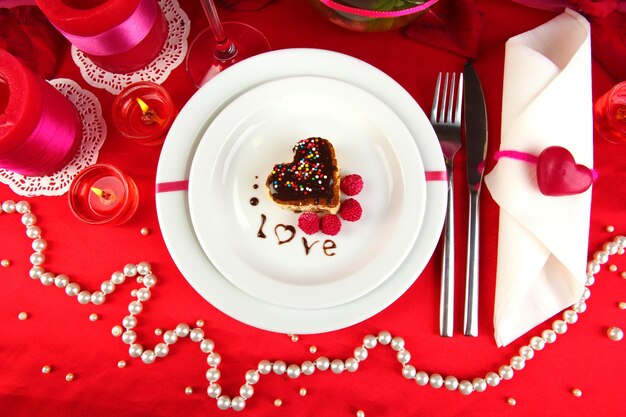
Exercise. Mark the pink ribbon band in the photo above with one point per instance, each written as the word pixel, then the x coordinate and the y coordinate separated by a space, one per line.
pixel 436 176
pixel 122 37
pixel 166 187
pixel 51 142
pixel 377 13
pixel 527 157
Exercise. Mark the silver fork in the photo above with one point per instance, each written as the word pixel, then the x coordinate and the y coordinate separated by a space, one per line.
pixel 445 117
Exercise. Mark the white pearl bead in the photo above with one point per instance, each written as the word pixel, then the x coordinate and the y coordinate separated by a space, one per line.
pixel 570 316
pixel 161 350
pixel 337 366
pixel 207 346
pixel 322 363
pixel 148 356
pixel 549 336
pixel 97 297
pixel 29 219
pixel 590 280
pixel 84 297
pixel 130 270
pixel 397 343
pixel 39 245
pixel 135 350
pixel 149 280
pixel 61 281
pixel 352 365
pixel 143 268
pixel 615 333
pixel 293 371
pixel 143 294
pixel 213 359
pixel 466 387
pixel 135 307
pixel 559 326
pixel 384 337
pixel 537 343
pixel 593 267
pixel 518 363
pixel 492 379
pixel 586 294
pixel 223 402
pixel 580 307
pixel 36 272
pixel 308 368
pixel 421 378
pixel 620 241
pixel 451 383
pixel 214 390
pixel 33 232
pixel 436 381
pixel 37 258
pixel 252 376
pixel 610 247
pixel 246 391
pixel 107 287
pixel 196 335
pixel 403 356
pixel 479 384
pixel 129 337
pixel 238 403
pixel 8 206
pixel 117 330
pixel 129 322
pixel 213 374
pixel 601 257
pixel 118 277
pixel 409 371
pixel 526 352
pixel 279 367
pixel 170 337
pixel 360 353
pixel 505 372
pixel 72 289
pixel 47 278
pixel 264 367
pixel 22 207
pixel 370 341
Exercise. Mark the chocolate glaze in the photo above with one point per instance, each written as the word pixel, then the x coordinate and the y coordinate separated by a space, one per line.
pixel 310 175
pixel 254 201
pixel 260 233
pixel 289 229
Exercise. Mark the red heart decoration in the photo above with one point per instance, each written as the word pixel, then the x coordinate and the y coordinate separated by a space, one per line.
pixel 558 174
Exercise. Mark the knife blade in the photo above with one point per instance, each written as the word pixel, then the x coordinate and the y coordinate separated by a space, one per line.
pixel 475 126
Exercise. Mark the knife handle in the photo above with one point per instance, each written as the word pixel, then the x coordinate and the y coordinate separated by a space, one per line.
pixel 470 324
pixel 446 302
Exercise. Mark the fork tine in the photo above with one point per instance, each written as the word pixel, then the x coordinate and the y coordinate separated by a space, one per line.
pixel 451 99
pixel 444 98
pixel 433 111
pixel 459 101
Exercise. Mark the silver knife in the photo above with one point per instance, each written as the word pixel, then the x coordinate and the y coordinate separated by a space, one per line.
pixel 475 115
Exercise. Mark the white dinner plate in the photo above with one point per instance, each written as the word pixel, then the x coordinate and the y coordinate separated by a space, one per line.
pixel 284 266
pixel 176 160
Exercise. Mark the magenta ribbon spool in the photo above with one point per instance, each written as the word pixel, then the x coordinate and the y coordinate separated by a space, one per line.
pixel 53 141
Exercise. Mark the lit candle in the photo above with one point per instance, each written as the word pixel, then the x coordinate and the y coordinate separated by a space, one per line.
pixel 39 127
pixel 103 194
pixel 144 112
pixel 118 35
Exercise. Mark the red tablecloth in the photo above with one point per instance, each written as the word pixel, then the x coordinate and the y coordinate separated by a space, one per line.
pixel 59 333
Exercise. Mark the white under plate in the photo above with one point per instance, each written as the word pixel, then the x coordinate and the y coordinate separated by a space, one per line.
pixel 258 130
pixel 176 160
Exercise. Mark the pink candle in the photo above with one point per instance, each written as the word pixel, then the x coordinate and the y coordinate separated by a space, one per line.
pixel 118 35
pixel 39 127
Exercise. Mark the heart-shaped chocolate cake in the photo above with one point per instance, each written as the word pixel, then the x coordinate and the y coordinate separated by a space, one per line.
pixel 310 182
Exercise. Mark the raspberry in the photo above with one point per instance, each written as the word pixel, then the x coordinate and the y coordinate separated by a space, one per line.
pixel 351 184
pixel 350 210
pixel 309 223
pixel 331 224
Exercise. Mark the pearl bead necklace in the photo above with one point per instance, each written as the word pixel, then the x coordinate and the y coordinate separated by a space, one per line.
pixel 144 275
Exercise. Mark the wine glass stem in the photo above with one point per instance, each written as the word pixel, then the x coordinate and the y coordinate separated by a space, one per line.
pixel 225 49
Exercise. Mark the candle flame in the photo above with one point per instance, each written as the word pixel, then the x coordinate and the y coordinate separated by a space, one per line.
pixel 97 191
pixel 144 107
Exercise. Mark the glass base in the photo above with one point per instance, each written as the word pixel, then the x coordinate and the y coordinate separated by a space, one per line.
pixel 201 62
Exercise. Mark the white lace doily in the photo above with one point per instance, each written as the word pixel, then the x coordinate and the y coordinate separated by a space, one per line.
pixel 94 131
pixel 170 57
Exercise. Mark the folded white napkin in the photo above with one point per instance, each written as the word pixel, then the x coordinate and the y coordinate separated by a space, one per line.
pixel 542 242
